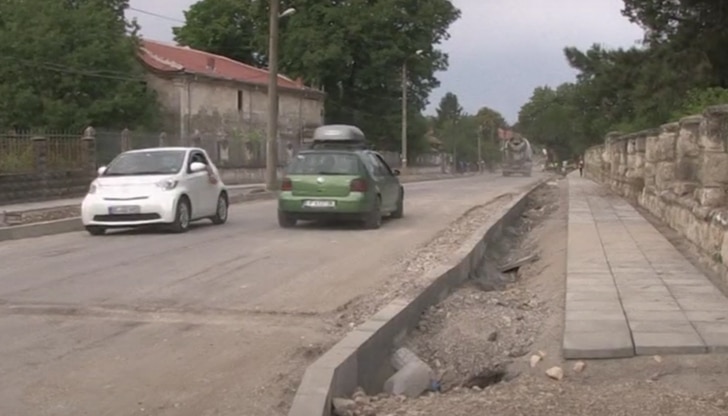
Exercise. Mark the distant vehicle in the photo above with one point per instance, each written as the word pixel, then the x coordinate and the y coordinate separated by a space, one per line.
pixel 169 186
pixel 517 156
pixel 339 178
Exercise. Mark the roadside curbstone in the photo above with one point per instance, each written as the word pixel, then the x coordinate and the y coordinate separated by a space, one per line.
pixel 364 353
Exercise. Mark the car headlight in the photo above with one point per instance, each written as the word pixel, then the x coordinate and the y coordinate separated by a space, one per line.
pixel 167 184
pixel 92 188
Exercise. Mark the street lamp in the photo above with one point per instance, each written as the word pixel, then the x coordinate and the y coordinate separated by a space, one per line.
pixel 271 154
pixel 289 11
pixel 404 110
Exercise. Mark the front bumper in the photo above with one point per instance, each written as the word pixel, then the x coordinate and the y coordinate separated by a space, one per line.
pixel 154 209
pixel 353 205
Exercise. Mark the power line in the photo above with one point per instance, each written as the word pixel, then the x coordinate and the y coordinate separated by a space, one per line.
pixel 160 16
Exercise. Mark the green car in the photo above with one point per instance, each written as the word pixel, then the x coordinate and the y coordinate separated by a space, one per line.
pixel 339 178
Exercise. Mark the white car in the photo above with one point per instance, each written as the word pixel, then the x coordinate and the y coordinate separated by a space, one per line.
pixel 170 186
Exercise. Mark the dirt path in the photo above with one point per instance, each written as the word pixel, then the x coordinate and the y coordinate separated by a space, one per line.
pixel 481 344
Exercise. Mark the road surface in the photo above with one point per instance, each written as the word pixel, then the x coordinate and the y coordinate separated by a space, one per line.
pixel 213 322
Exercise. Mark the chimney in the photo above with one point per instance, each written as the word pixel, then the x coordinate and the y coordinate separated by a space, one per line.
pixel 210 63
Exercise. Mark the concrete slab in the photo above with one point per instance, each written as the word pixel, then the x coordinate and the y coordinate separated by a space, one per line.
pixel 572 315
pixel 592 296
pixel 641 305
pixel 594 305
pixel 678 326
pixel 714 334
pixel 595 345
pixel 650 343
pixel 629 291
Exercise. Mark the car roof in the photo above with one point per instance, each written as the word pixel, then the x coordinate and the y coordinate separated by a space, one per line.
pixel 335 132
pixel 164 149
pixel 333 150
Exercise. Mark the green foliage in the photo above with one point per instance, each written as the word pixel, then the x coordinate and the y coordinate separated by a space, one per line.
pixel 697 99
pixel 461 132
pixel 224 27
pixel 680 68
pixel 354 50
pixel 74 66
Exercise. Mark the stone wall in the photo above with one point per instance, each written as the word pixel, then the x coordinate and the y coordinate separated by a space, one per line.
pixel 678 172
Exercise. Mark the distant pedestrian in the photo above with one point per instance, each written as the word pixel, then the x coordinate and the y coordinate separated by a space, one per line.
pixel 581 167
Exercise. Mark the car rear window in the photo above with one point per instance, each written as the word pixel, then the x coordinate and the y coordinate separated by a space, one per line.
pixel 325 163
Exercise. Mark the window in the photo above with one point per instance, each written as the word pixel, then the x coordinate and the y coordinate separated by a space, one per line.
pixel 153 162
pixel 240 100
pixel 376 168
pixel 383 164
pixel 325 163
pixel 196 157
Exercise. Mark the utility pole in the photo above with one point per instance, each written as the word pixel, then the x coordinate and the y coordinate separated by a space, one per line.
pixel 271 154
pixel 480 150
pixel 404 116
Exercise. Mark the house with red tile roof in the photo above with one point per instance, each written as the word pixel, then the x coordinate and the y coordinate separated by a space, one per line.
pixel 208 93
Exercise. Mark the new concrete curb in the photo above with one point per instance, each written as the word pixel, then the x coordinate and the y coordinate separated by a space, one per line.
pixel 67 225
pixel 360 359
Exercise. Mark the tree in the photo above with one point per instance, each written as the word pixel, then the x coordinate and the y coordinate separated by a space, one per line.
pixel 76 67
pixel 489 121
pixel 229 28
pixel 449 111
pixel 354 50
pixel 696 25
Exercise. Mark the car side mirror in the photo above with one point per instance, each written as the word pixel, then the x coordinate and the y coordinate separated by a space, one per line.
pixel 101 170
pixel 396 172
pixel 197 167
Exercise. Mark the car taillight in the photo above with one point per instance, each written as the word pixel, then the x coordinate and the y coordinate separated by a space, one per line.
pixel 358 185
pixel 286 185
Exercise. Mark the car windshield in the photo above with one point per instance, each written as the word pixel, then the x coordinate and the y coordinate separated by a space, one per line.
pixel 323 163
pixel 158 162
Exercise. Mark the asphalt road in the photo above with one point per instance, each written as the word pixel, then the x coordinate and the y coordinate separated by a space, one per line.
pixel 199 323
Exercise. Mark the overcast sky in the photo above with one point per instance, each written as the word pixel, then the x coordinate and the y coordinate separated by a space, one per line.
pixel 499 50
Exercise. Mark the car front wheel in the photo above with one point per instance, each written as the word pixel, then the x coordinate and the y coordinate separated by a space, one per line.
pixel 221 213
pixel 182 217
pixel 95 230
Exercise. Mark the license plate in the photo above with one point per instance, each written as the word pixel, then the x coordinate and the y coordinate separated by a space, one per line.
pixel 124 209
pixel 319 204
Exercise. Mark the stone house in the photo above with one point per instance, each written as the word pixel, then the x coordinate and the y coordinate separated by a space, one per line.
pixel 208 96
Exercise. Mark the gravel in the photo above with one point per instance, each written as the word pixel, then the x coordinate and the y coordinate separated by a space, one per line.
pixel 482 344
pixel 407 280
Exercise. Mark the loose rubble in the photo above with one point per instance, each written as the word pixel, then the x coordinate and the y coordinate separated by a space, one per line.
pixel 494 346
pixel 407 280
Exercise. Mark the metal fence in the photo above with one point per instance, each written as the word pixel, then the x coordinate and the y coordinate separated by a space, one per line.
pixel 27 151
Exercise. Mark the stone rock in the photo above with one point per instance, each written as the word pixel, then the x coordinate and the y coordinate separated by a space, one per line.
pixel 555 373
pixel 657 358
pixel 534 360
pixel 579 366
pixel 493 336
pixel 343 406
pixel 412 380
pixel 402 357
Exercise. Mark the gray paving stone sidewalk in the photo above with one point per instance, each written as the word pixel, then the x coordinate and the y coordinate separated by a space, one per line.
pixel 628 290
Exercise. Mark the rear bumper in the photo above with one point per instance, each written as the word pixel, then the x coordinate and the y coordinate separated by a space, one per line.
pixel 353 205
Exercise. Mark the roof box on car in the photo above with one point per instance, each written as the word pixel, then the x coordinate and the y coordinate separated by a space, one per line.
pixel 338 136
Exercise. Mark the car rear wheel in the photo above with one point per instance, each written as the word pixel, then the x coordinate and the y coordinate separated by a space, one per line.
pixel 221 213
pixel 181 222
pixel 286 220
pixel 95 230
pixel 373 219
pixel 399 211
